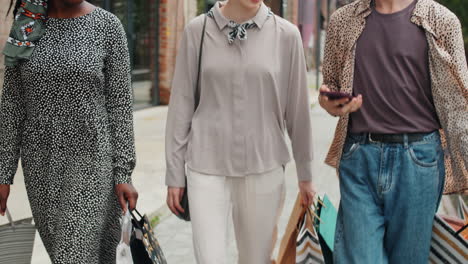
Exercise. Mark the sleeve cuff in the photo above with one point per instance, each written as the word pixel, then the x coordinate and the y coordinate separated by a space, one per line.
pixel 7 175
pixel 175 177
pixel 304 171
pixel 122 176
pixel 6 182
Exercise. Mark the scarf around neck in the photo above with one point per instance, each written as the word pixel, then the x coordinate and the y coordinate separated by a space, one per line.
pixel 238 31
pixel 27 29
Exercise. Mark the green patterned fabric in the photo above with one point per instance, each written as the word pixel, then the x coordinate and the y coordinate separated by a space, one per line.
pixel 27 29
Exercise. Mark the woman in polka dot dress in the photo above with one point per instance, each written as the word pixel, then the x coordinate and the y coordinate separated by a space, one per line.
pixel 66 110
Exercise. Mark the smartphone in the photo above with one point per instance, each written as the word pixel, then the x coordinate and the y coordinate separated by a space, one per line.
pixel 337 95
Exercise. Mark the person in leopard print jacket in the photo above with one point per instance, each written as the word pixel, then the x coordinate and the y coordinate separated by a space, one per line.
pixel 402 140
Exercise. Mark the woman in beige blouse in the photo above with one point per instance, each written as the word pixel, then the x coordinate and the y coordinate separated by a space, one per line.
pixel 233 146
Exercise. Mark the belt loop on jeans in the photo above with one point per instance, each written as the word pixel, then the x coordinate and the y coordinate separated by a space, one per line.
pixel 405 139
pixel 364 139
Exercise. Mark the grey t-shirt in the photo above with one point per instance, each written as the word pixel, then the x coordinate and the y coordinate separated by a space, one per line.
pixel 392 74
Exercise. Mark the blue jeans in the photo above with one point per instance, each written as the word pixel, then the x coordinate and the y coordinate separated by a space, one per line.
pixel 389 196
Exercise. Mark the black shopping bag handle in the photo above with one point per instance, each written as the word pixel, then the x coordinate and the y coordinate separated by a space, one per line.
pixel 461 230
pixel 138 213
pixel 136 221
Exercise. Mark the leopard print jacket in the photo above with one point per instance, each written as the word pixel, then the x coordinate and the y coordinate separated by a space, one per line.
pixel 448 70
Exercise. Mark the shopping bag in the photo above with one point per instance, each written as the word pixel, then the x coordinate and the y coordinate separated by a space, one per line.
pixel 308 249
pixel 449 243
pixel 463 213
pixel 143 243
pixel 287 250
pixel 326 227
pixel 124 252
pixel 17 241
pixel 462 208
pixel 300 242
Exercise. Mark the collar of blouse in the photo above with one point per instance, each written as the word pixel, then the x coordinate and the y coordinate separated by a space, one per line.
pixel 239 30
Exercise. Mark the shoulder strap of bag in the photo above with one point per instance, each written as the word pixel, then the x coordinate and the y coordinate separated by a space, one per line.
pixel 200 53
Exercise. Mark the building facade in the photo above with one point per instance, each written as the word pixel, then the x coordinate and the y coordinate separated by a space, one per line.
pixel 153 30
pixel 175 14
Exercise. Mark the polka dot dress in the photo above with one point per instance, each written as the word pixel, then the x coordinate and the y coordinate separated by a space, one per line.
pixel 67 112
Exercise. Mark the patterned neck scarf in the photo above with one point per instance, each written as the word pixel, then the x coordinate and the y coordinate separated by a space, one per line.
pixel 239 30
pixel 27 29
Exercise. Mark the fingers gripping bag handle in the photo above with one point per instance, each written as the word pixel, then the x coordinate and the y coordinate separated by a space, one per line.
pixel 124 253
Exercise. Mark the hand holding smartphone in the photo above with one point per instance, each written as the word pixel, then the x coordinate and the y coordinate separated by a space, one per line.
pixel 336 95
pixel 339 103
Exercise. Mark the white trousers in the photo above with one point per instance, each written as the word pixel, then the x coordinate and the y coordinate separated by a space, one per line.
pixel 255 202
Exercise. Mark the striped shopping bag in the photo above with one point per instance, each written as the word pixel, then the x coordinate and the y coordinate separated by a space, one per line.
pixel 447 245
pixel 462 210
pixel 308 249
pixel 300 243
pixel 449 242
pixel 17 241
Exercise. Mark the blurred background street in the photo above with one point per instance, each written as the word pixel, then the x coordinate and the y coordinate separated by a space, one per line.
pixel 154 29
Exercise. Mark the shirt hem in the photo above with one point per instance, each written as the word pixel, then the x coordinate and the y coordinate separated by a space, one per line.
pixel 239 175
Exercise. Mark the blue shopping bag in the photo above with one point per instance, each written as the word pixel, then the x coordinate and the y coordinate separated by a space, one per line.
pixel 326 227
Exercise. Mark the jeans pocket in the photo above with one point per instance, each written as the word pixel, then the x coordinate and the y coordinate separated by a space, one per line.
pixel 349 149
pixel 425 155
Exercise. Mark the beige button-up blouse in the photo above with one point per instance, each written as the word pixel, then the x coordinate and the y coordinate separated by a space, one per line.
pixel 252 91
